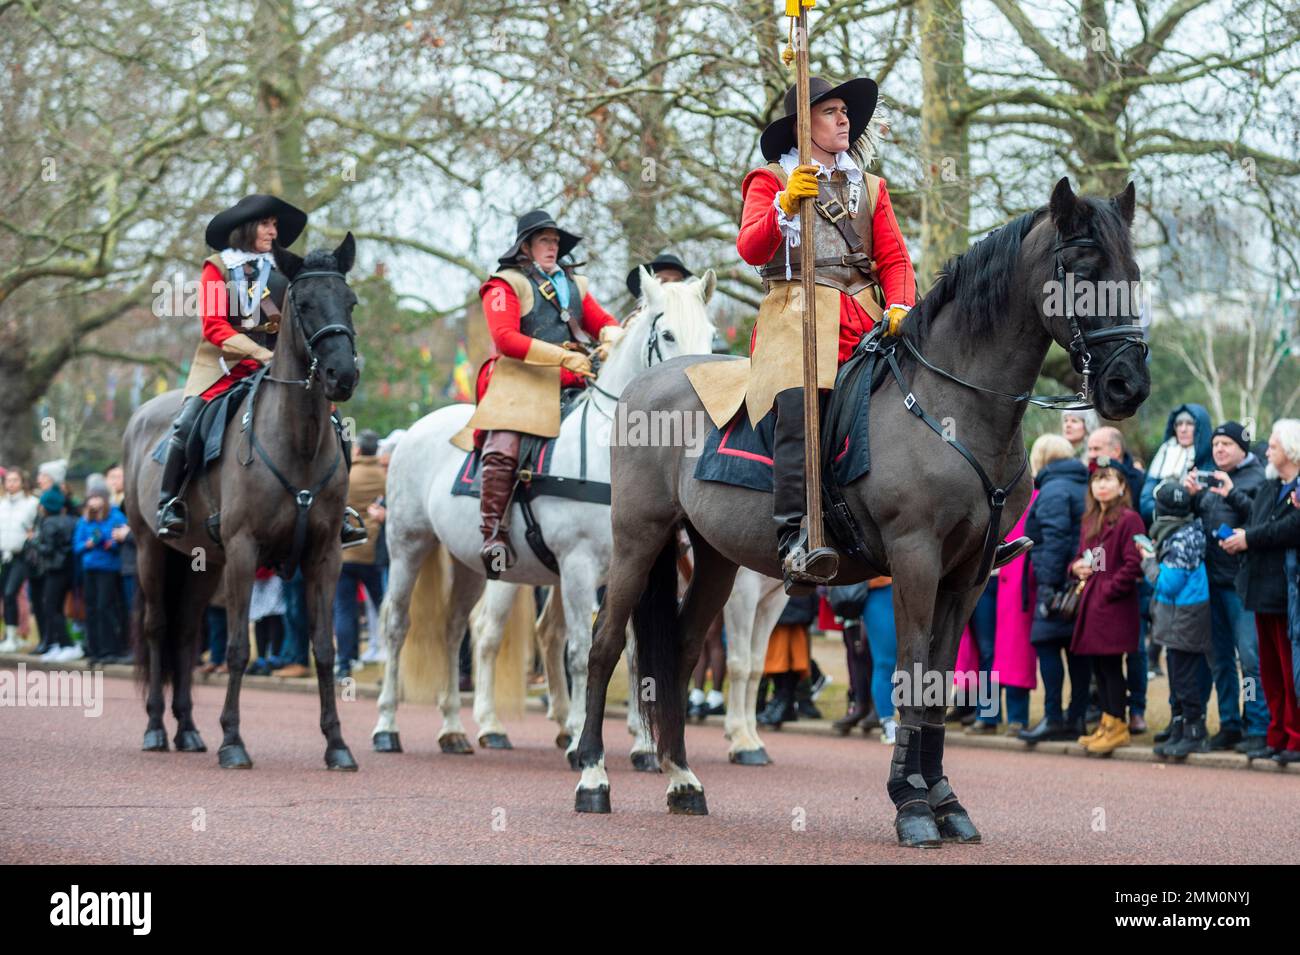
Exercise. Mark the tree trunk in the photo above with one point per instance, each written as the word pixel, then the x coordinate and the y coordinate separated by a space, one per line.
pixel 945 199
pixel 281 168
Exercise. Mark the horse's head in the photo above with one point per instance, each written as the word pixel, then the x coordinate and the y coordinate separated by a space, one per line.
pixel 1090 300
pixel 320 311
pixel 680 323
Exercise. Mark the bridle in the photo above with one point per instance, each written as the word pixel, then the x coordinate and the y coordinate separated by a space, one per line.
pixel 1129 336
pixel 652 352
pixel 335 328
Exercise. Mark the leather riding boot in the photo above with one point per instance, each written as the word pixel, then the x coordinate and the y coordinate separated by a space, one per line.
pixel 172 518
pixel 500 462
pixel 1008 551
pixel 353 534
pixel 803 570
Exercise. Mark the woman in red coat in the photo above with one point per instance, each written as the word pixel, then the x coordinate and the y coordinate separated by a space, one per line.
pixel 1106 627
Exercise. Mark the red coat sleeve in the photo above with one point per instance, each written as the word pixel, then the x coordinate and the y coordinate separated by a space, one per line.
pixel 501 309
pixel 216 328
pixel 893 264
pixel 594 316
pixel 759 235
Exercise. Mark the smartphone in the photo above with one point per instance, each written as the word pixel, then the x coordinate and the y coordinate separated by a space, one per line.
pixel 1144 542
pixel 1224 532
pixel 1208 479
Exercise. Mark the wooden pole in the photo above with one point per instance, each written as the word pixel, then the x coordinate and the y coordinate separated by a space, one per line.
pixel 807 275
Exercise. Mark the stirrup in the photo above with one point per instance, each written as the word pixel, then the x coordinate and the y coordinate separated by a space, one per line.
pixel 497 556
pixel 1009 550
pixel 353 535
pixel 173 519
pixel 804 570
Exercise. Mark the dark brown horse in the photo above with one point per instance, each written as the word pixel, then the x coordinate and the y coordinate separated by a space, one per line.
pixel 280 487
pixel 969 355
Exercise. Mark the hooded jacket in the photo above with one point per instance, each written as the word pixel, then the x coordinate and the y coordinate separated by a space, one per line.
pixel 1157 469
pixel 1180 606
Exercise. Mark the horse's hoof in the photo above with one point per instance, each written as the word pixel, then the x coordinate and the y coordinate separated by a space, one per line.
pixel 916 828
pixel 592 800
pixel 189 741
pixel 495 741
pixel 573 759
pixel 387 742
pixel 340 759
pixel 957 827
pixel 234 756
pixel 563 740
pixel 155 741
pixel 645 762
pixel 750 757
pixel 456 744
pixel 687 802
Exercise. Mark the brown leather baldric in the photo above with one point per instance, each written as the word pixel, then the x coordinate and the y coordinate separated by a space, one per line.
pixel 845 235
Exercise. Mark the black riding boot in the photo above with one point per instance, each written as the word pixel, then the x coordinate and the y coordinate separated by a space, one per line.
pixel 353 533
pixel 859 659
pixel 171 510
pixel 803 570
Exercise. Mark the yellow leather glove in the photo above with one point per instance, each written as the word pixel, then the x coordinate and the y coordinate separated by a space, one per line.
pixel 545 353
pixel 894 316
pixel 801 184
pixel 239 346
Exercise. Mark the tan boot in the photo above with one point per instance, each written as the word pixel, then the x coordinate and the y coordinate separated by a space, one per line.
pixel 1097 733
pixel 1116 735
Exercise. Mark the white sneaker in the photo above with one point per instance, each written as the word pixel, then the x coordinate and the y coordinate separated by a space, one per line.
pixel 52 653
pixel 8 645
pixel 888 731
pixel 71 653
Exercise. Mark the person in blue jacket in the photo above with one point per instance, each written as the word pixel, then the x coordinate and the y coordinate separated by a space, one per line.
pixel 1187 447
pixel 100 555
pixel 1180 613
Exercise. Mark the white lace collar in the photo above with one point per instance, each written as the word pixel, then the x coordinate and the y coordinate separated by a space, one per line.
pixel 843 163
pixel 233 258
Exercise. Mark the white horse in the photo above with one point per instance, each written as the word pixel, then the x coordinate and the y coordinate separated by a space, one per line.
pixel 424 519
pixel 749 615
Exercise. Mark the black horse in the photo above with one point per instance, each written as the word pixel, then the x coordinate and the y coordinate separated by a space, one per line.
pixel 280 488
pixel 968 356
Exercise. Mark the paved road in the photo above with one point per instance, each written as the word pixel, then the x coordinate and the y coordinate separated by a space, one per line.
pixel 75 789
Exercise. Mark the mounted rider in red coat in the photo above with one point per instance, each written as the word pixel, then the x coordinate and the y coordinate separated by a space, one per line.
pixel 544 324
pixel 241 303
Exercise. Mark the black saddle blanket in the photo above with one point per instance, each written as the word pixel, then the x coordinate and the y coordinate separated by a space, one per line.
pixel 469 480
pixel 210 430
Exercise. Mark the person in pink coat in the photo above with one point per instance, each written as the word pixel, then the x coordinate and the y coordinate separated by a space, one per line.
pixel 1014 659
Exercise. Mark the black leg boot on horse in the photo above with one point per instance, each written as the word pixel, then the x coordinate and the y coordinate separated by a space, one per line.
pixel 803 570
pixel 172 519
pixel 497 482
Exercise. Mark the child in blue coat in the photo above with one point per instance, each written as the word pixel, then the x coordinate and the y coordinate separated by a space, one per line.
pixel 100 555
pixel 1180 612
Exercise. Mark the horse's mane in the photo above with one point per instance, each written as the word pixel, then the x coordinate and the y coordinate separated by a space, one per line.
pixel 980 278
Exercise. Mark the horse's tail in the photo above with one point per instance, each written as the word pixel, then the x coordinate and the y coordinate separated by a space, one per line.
pixel 424 653
pixel 175 574
pixel 658 654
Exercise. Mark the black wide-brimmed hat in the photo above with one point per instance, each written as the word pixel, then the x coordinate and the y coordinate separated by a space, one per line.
pixel 535 221
pixel 664 260
pixel 859 96
pixel 289 220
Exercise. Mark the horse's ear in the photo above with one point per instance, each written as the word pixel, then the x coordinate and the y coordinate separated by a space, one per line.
pixel 1126 201
pixel 708 283
pixel 346 254
pixel 288 263
pixel 1065 207
pixel 651 289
